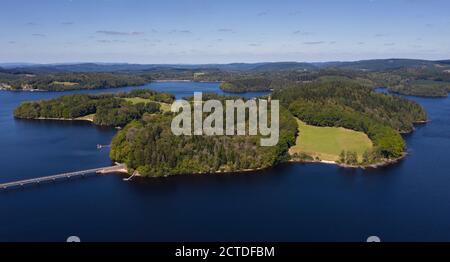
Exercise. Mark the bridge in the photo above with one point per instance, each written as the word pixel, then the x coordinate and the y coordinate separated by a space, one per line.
pixel 120 168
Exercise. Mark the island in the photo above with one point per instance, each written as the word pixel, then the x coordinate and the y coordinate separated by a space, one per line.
pixel 105 110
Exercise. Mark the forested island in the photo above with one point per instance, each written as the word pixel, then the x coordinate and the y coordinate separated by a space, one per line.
pixel 69 81
pixel 106 110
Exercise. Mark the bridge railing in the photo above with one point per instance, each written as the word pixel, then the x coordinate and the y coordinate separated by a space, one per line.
pixel 58 176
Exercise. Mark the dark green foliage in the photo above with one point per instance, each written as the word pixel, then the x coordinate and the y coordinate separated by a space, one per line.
pixel 107 115
pixel 246 85
pixel 149 147
pixel 431 81
pixel 349 158
pixel 302 157
pixel 109 109
pixel 70 106
pixel 393 111
pixel 55 82
pixel 422 88
pixel 149 94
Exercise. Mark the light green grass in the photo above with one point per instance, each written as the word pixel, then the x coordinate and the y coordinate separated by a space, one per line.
pixel 64 83
pixel 327 143
pixel 87 118
pixel 136 100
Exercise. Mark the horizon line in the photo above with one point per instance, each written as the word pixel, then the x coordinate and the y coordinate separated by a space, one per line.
pixel 220 63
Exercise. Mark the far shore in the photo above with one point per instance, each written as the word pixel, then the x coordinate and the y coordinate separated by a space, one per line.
pixel 106 88
pixel 22 90
pixel 184 80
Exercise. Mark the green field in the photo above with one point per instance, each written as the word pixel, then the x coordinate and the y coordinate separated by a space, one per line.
pixel 87 118
pixel 327 143
pixel 136 100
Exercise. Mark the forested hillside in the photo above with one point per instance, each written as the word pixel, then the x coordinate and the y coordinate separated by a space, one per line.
pixel 109 109
pixel 394 111
pixel 148 146
pixel 71 81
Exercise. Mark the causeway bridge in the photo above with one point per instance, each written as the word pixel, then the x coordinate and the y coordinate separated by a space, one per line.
pixel 120 168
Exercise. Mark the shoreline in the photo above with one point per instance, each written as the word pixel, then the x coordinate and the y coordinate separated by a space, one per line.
pixel 107 88
pixel 381 164
pixel 385 163
pixel 236 172
pixel 59 119
pixel 25 90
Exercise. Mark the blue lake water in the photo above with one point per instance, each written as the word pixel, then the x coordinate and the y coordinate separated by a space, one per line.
pixel 409 201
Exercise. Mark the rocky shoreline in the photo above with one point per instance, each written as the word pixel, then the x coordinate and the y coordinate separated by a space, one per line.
pixel 384 163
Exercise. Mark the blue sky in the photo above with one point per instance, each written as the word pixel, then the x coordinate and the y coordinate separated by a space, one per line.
pixel 211 31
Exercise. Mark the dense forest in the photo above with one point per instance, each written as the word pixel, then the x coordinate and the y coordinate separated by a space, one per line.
pixel 394 111
pixel 423 81
pixel 71 81
pixel 109 109
pixel 148 146
pixel 247 85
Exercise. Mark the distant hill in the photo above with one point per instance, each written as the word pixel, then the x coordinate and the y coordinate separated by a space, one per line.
pixel 369 65
pixel 382 64
pixel 285 66
pixel 445 62
pixel 15 65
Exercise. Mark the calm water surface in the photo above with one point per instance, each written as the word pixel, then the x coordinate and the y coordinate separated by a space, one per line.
pixel 292 202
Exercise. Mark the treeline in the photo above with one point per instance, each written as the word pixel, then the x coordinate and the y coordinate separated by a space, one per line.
pixel 426 88
pixel 397 112
pixel 148 146
pixel 148 94
pixel 428 81
pixel 73 81
pixel 247 85
pixel 109 109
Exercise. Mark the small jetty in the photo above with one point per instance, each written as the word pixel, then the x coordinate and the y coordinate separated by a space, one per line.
pixel 119 168
pixel 131 177
pixel 102 146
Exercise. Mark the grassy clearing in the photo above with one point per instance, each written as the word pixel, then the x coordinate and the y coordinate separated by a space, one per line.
pixel 64 83
pixel 87 118
pixel 327 143
pixel 136 100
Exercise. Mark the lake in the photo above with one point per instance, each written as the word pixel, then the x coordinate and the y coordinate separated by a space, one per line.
pixel 409 201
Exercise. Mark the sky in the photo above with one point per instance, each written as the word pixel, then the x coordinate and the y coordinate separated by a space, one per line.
pixel 212 31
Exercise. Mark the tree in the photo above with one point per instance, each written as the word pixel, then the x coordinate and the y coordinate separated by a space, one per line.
pixel 352 158
pixel 342 157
